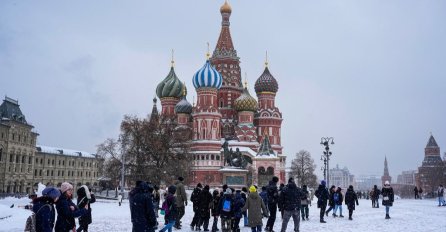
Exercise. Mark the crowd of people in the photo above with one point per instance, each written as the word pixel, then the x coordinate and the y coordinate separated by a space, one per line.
pixel 224 208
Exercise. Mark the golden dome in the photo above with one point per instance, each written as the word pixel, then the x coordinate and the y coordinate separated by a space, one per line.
pixel 226 8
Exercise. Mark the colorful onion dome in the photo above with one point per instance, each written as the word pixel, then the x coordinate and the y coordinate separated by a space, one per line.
pixel 245 102
pixel 208 77
pixel 171 86
pixel 226 8
pixel 183 107
pixel 266 83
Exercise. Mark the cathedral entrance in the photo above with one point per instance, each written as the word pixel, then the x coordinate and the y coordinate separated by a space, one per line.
pixel 264 176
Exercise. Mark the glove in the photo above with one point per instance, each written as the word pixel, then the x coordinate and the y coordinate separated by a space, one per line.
pixel 185 203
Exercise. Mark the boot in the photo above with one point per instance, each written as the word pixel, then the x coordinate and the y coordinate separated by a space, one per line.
pixel 322 221
pixel 350 218
pixel 341 215
pixel 334 215
pixel 387 216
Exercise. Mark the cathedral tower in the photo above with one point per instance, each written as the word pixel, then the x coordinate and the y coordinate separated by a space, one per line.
pixel 169 91
pixel 386 176
pixel 225 60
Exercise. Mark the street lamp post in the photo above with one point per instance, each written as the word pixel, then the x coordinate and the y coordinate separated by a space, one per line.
pixel 122 175
pixel 324 168
pixel 326 141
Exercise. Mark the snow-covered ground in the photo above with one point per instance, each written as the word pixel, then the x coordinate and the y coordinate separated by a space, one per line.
pixel 407 215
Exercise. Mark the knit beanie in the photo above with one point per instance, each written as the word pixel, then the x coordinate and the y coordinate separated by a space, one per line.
pixel 65 187
pixel 228 191
pixel 52 192
pixel 252 189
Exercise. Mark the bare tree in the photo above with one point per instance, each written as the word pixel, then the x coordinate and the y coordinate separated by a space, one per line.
pixel 302 168
pixel 154 150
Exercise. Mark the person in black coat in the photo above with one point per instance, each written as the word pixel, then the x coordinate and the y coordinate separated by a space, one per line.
pixel 214 209
pixel 388 197
pixel 205 199
pixel 375 197
pixel 239 202
pixel 304 201
pixel 85 197
pixel 141 209
pixel 44 209
pixel 273 199
pixel 195 203
pixel 290 204
pixel 170 208
pixel 67 210
pixel 331 201
pixel 322 198
pixel 350 199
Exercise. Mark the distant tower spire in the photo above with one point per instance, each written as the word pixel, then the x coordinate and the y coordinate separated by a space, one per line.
pixel 155 115
pixel 386 176
pixel 172 61
pixel 208 53
pixel 266 59
pixel 246 80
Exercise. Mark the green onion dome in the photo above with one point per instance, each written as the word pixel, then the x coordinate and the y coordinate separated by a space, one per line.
pixel 245 102
pixel 171 86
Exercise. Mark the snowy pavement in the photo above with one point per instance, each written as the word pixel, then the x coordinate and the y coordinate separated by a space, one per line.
pixel 407 215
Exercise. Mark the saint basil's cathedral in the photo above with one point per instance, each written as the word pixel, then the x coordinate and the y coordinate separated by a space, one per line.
pixel 227 121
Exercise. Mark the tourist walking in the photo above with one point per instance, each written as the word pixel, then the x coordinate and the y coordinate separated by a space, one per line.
pixel 273 198
pixel 141 208
pixel 119 199
pixel 85 197
pixel 290 198
pixel 194 197
pixel 170 209
pixel 205 199
pixel 244 194
pixel 67 210
pixel 388 197
pixel 338 199
pixel 43 207
pixel 304 203
pixel 331 202
pixel 350 199
pixel 264 196
pixel 440 194
pixel 375 197
pixel 322 198
pixel 256 209
pixel 415 192
pixel 239 202
pixel 214 209
pixel 181 198
pixel 226 209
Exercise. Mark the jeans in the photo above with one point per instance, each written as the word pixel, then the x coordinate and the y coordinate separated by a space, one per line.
pixel 304 211
pixel 440 201
pixel 257 228
pixel 387 209
pixel 336 209
pixel 214 225
pixel 286 217
pixel 168 227
pixel 245 218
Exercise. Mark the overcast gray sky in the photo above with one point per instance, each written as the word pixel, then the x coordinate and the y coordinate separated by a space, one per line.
pixel 369 73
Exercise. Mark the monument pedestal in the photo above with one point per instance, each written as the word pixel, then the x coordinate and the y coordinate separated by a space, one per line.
pixel 234 177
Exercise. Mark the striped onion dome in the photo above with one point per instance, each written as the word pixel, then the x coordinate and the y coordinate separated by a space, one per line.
pixel 245 102
pixel 207 76
pixel 183 106
pixel 171 86
pixel 266 83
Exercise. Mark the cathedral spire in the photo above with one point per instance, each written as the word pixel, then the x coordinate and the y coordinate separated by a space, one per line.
pixel 386 167
pixel 225 41
pixel 155 115
pixel 265 148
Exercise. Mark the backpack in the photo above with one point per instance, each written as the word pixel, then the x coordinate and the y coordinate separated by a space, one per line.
pixel 165 208
pixel 30 225
pixel 336 197
pixel 227 205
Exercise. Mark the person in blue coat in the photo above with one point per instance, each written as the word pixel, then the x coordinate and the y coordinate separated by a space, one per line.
pixel 141 208
pixel 67 210
pixel 43 207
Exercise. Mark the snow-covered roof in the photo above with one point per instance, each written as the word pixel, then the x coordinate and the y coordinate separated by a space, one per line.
pixel 63 151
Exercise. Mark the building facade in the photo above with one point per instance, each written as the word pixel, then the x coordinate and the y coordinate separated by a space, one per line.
pixel 407 177
pixel 341 177
pixel 227 121
pixel 23 164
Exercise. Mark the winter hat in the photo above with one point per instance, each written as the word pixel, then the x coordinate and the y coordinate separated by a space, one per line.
pixel 206 187
pixel 275 179
pixel 387 182
pixel 323 183
pixel 228 191
pixel 252 189
pixel 199 185
pixel 54 193
pixel 172 189
pixel 291 180
pixel 180 178
pixel 65 187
